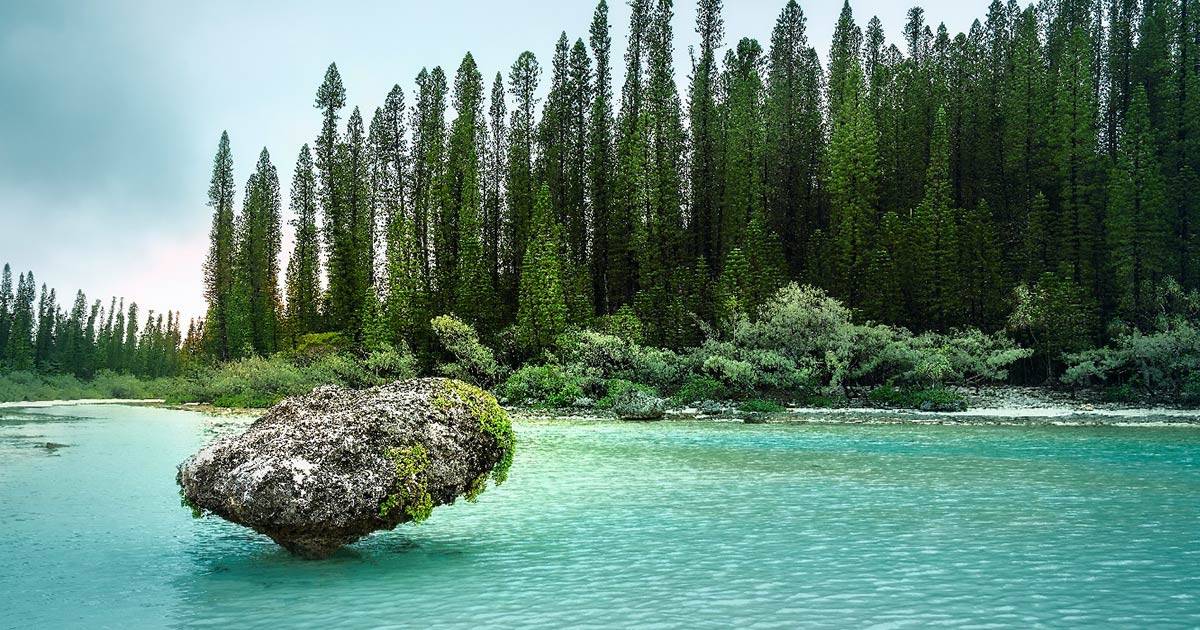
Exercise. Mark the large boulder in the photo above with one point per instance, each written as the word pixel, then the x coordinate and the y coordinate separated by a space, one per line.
pixel 322 470
pixel 634 404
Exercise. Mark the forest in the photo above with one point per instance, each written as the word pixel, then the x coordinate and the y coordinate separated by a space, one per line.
pixel 1018 202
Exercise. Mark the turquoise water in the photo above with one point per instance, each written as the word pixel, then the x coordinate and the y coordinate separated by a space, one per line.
pixel 666 525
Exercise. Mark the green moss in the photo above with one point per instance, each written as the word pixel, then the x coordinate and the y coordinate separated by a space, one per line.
pixel 411 491
pixel 478 485
pixel 492 420
pixel 187 503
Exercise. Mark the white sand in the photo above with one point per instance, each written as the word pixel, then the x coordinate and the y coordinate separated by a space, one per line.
pixel 85 401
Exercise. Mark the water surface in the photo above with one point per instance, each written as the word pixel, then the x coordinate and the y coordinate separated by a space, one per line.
pixel 614 525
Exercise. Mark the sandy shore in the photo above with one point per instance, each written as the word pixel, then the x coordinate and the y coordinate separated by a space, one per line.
pixel 84 401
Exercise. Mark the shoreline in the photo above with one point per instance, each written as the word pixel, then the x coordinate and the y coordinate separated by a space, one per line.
pixel 996 406
pixel 38 404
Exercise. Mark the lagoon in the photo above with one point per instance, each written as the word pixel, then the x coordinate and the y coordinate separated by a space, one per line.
pixel 605 524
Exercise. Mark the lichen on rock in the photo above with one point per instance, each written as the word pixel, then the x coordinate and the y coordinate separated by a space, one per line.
pixel 322 470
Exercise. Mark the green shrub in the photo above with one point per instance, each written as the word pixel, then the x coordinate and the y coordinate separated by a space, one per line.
pixel 473 361
pixel 315 345
pixel 393 363
pixel 616 387
pixel 1191 390
pixel 542 386
pixel 928 399
pixel 698 388
pixel 623 324
pixel 1161 362
pixel 1122 393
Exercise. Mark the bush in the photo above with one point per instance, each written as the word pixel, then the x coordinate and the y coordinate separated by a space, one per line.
pixel 392 363
pixel 1123 393
pixel 617 387
pixel 609 356
pixel 313 346
pixel 473 361
pixel 699 388
pixel 257 382
pixel 542 386
pixel 623 324
pixel 1163 361
pixel 929 399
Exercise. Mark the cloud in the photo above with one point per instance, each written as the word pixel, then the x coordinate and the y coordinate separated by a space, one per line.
pixel 86 112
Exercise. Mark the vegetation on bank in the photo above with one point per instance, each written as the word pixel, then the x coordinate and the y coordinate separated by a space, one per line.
pixel 802 348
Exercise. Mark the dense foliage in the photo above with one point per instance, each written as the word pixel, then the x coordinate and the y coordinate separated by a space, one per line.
pixel 1048 153
pixel 798 347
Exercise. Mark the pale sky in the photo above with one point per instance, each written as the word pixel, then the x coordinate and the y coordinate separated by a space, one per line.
pixel 110 111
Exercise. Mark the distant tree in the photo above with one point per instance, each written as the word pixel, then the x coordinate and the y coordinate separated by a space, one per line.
pixel 470 294
pixel 662 250
pixel 349 231
pixel 844 54
pixel 6 311
pixel 625 235
pixel 43 346
pixel 494 193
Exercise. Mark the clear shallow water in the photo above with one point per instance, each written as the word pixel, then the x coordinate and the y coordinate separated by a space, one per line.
pixel 666 525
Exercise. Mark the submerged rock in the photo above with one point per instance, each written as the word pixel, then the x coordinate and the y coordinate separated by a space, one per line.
pixel 322 470
pixel 638 405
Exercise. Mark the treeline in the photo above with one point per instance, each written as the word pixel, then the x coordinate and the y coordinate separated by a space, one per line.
pixel 1036 173
pixel 44 336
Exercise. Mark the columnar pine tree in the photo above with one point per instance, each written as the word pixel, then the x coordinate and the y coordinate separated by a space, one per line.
pixel 794 134
pixel 523 82
pixel 1137 214
pixel 350 230
pixel 853 187
pixel 219 265
pixel 257 265
pixel 428 163
pixel 705 133
pixel 541 306
pixel 625 231
pixel 304 266
pixel 6 310
pixel 847 44
pixel 934 248
pixel 662 251
pixel 471 293
pixel 43 344
pixel 600 156
pixel 494 192
pixel 578 104
pixel 1076 162
pixel 744 150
